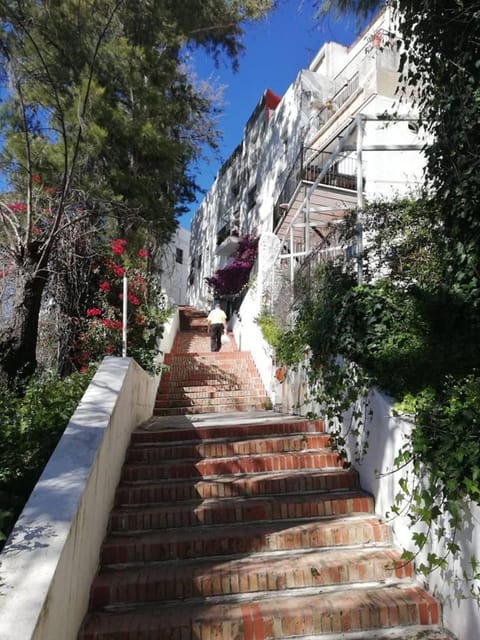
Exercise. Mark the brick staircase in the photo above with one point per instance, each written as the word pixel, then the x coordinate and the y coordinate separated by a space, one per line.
pixel 198 381
pixel 244 526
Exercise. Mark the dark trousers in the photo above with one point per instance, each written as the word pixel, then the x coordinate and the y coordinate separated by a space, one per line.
pixel 216 332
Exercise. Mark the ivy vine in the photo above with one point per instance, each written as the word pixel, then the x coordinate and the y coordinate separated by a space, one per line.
pixel 412 336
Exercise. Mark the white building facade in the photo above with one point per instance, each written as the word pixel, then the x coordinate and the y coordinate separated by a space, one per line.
pixel 338 137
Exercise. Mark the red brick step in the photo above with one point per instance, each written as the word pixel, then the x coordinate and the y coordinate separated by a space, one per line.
pixel 229 576
pixel 229 447
pixel 360 609
pixel 244 538
pixel 232 510
pixel 163 432
pixel 229 486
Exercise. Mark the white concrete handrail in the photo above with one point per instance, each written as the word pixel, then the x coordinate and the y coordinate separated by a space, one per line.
pixel 52 554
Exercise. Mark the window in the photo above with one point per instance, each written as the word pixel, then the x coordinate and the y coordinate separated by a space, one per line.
pixel 252 197
pixel 179 255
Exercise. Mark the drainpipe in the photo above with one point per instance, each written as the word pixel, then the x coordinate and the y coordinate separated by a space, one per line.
pixel 360 199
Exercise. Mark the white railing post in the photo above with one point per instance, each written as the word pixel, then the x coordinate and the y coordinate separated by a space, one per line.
pixel 124 316
pixel 360 198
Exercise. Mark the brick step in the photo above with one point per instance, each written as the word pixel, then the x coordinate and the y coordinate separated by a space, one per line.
pixel 336 611
pixel 160 430
pixel 243 396
pixel 227 387
pixel 413 632
pixel 266 572
pixel 207 391
pixel 221 408
pixel 191 379
pixel 230 486
pixel 201 468
pixel 236 539
pixel 188 377
pixel 204 384
pixel 208 358
pixel 227 447
pixel 236 510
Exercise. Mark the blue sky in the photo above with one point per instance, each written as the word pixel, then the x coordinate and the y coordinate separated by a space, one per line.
pixel 275 50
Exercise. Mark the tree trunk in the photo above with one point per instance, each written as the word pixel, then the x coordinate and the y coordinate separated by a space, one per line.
pixel 18 340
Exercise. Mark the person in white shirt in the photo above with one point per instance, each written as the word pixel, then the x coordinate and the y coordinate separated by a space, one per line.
pixel 217 323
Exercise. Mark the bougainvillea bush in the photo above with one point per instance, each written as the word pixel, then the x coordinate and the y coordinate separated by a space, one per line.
pixel 100 331
pixel 232 278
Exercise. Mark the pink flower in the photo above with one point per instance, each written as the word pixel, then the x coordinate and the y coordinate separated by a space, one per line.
pixel 118 271
pixel 143 253
pixel 133 299
pixel 104 286
pixel 94 311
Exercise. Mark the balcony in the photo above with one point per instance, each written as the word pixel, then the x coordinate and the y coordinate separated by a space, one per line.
pixel 336 189
pixel 227 241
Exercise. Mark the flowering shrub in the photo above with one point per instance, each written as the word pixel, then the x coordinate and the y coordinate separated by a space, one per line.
pixel 100 332
pixel 234 276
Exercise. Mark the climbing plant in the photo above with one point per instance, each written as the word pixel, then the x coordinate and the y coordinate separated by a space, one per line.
pixel 233 278
pixel 411 334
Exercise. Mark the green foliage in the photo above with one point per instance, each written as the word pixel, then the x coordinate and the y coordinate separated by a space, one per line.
pixel 101 117
pixel 425 325
pixel 271 332
pixel 288 344
pixel 31 425
pixel 411 334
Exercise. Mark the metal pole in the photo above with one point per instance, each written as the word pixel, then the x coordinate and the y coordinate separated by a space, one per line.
pixel 360 198
pixel 292 270
pixel 124 316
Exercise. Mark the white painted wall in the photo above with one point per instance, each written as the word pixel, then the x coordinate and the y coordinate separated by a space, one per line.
pixel 174 276
pixel 49 561
pixel 461 613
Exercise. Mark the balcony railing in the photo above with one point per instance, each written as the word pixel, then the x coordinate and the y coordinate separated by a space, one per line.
pixel 307 167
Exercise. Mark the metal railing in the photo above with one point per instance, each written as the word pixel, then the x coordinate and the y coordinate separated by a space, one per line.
pixel 308 165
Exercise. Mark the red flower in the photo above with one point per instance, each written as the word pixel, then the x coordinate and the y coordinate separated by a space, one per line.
pixel 18 207
pixel 104 286
pixel 118 271
pixel 36 178
pixel 143 253
pixel 94 311
pixel 133 299
pixel 118 246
